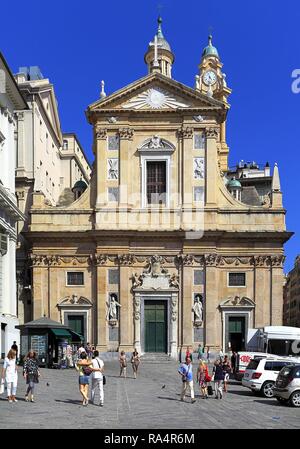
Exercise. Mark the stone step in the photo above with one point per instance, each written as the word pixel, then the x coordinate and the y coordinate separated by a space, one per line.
pixel 156 357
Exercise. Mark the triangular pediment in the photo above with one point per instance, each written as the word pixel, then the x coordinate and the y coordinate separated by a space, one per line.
pixel 48 99
pixel 156 92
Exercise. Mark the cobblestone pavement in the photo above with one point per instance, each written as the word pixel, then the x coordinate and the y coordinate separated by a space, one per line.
pixel 141 403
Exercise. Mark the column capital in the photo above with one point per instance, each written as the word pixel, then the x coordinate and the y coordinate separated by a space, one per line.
pixel 212 133
pixel 185 132
pixel 126 133
pixel 100 133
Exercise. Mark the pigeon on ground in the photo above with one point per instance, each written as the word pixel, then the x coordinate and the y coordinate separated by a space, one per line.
pixel 163 387
pixel 48 385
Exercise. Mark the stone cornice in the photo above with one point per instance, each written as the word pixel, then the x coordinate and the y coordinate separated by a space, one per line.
pixel 192 260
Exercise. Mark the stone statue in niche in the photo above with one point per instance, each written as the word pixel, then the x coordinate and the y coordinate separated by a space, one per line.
pixel 198 310
pixel 112 304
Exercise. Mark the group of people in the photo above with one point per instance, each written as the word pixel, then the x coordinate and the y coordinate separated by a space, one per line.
pixel 91 368
pixel 91 373
pixel 31 374
pixel 134 360
pixel 220 376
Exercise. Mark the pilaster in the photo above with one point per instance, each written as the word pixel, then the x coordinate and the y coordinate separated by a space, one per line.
pixel 211 166
pixel 101 307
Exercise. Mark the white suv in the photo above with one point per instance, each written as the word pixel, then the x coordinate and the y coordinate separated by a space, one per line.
pixel 261 374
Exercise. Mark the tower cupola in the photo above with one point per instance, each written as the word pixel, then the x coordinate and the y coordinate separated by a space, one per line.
pixel 159 56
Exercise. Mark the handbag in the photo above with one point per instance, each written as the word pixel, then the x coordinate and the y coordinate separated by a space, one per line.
pixel 87 370
pixel 210 390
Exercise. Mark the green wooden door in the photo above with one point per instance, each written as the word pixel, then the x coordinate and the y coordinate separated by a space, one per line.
pixel 75 323
pixel 155 315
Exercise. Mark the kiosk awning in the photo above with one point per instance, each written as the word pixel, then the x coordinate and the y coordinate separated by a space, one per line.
pixel 61 333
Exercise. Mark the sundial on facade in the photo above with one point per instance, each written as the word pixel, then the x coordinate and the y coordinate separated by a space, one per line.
pixel 154 98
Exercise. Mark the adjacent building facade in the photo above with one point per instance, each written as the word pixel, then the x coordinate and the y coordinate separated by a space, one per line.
pixel 11 100
pixel 291 302
pixel 47 161
pixel 164 249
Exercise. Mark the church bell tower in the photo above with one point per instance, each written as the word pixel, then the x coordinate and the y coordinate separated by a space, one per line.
pixel 211 81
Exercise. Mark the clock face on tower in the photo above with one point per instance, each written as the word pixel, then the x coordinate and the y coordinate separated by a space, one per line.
pixel 209 78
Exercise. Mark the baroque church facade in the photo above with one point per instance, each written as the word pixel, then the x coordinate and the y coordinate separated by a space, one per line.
pixel 160 252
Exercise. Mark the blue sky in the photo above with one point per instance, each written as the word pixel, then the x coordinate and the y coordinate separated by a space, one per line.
pixel 77 44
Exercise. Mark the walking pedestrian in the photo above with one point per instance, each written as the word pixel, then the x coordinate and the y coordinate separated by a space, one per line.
pixel 233 361
pixel 186 372
pixel 10 374
pixel 135 362
pixel 80 349
pixel 202 378
pixel 123 364
pixel 14 346
pixel 97 378
pixel 226 370
pixel 69 356
pixel 31 374
pixel 188 354
pixel 221 355
pixel 200 352
pixel 208 354
pixel 218 377
pixel 84 366
pixel 89 351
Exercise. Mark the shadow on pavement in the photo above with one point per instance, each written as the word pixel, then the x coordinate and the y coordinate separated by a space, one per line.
pixel 70 401
pixel 269 402
pixel 241 393
pixel 168 399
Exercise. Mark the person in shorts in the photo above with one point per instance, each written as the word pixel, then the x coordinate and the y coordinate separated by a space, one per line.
pixel 84 367
pixel 123 364
pixel 226 370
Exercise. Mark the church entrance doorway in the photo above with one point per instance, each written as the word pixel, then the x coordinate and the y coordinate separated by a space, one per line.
pixel 155 322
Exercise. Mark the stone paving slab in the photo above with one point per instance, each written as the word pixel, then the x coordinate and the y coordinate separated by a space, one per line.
pixel 141 403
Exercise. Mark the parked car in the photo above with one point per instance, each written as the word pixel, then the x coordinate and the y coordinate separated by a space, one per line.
pixel 243 359
pixel 261 374
pixel 287 386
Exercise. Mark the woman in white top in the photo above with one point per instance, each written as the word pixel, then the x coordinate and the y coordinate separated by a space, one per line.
pixel 9 372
